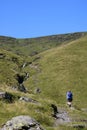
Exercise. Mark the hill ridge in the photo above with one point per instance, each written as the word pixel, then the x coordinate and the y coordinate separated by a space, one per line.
pixel 33 46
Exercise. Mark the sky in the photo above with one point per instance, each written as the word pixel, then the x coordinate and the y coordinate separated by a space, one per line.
pixel 35 18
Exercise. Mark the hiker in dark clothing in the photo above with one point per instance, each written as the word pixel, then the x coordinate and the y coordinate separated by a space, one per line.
pixel 55 110
pixel 69 97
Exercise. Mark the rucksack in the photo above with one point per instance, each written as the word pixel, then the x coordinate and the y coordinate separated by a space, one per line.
pixel 69 95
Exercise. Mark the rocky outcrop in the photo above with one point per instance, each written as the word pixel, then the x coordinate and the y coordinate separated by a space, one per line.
pixel 20 79
pixel 26 99
pixel 60 115
pixel 22 123
pixel 7 96
pixel 62 118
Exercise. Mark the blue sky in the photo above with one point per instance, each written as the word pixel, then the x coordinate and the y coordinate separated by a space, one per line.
pixel 35 18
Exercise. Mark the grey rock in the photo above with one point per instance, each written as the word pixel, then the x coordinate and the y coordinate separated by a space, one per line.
pixel 26 99
pixel 22 123
pixel 7 96
pixel 62 118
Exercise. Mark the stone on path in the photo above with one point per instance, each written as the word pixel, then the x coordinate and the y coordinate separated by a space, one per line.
pixel 22 123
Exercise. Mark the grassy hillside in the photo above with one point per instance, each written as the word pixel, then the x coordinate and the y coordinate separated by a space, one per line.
pixel 64 68
pixel 33 46
pixel 10 65
pixel 61 69
pixel 54 71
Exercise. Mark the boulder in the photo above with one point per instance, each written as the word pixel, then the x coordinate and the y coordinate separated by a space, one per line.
pixel 22 123
pixel 9 97
pixel 60 115
pixel 6 96
pixel 26 99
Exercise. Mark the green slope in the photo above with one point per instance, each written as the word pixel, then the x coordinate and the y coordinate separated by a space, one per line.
pixel 61 69
pixel 54 71
pixel 10 65
pixel 33 46
pixel 65 68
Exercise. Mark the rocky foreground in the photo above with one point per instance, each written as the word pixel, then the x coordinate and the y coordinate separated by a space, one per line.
pixel 22 123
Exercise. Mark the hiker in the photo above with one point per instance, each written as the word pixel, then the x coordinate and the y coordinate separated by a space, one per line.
pixel 55 110
pixel 69 97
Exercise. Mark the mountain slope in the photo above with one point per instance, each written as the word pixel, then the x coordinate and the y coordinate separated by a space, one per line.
pixel 64 68
pixel 33 46
pixel 53 71
pixel 10 65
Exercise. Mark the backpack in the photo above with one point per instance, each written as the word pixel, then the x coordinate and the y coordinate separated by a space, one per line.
pixel 69 95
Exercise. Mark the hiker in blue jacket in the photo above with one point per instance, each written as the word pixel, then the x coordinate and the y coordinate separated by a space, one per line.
pixel 69 97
